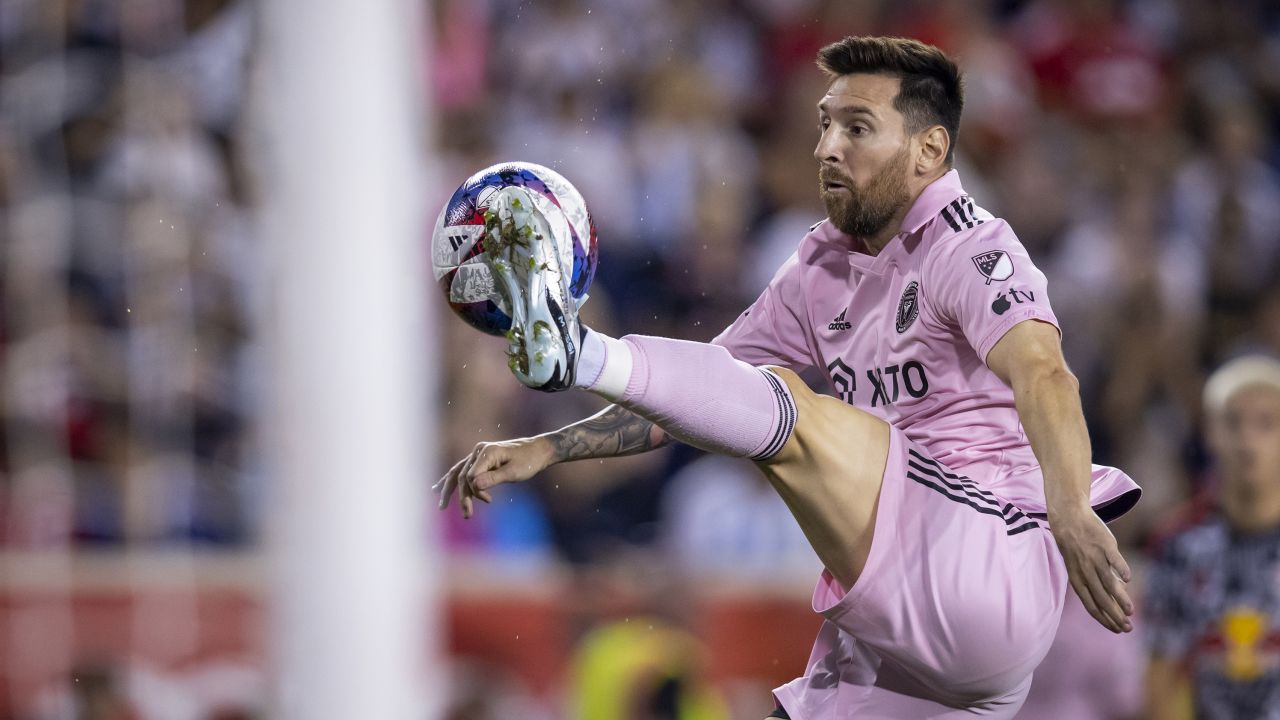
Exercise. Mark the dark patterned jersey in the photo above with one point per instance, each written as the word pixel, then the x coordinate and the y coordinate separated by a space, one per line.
pixel 1213 603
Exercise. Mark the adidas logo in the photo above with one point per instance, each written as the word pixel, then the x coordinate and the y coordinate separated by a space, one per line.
pixel 840 323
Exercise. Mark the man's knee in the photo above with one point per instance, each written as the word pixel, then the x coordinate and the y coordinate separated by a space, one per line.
pixel 826 429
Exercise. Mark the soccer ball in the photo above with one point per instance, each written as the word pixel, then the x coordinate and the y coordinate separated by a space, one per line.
pixel 458 240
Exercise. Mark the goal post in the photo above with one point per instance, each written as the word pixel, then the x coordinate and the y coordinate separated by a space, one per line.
pixel 352 578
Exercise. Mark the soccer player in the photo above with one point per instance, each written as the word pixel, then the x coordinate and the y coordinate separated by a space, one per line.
pixel 1212 596
pixel 928 489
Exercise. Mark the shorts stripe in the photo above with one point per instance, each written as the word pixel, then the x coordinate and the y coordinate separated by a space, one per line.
pixel 1023 528
pixel 939 473
pixel 1010 511
pixel 960 486
pixel 984 502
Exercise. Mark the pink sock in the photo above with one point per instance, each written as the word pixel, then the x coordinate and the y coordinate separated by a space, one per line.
pixel 703 396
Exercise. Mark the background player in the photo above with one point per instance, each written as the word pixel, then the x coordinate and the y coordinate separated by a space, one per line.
pixel 1213 605
pixel 934 348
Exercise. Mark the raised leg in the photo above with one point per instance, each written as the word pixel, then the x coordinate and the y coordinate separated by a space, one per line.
pixel 825 458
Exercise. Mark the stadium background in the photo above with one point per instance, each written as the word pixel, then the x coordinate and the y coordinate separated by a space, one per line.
pixel 1132 145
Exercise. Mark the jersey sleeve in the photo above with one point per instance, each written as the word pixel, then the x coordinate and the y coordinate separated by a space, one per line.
pixel 985 283
pixel 774 330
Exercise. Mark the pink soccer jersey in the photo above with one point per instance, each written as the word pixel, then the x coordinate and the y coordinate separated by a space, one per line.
pixel 905 334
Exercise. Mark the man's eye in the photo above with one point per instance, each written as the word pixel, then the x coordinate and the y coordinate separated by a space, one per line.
pixel 858 130
pixel 824 124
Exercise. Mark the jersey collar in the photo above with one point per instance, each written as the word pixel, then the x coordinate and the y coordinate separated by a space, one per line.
pixel 935 196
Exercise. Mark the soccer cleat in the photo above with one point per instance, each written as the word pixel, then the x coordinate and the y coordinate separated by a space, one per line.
pixel 523 251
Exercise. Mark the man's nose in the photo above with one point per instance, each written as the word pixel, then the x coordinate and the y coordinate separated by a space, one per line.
pixel 827 150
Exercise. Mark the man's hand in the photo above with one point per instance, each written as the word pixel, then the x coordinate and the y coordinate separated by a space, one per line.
pixel 1097 570
pixel 491 464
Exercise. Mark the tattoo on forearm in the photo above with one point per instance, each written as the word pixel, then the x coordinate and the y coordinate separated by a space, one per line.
pixel 613 432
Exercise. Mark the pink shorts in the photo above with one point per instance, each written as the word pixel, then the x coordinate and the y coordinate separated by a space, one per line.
pixel 959 601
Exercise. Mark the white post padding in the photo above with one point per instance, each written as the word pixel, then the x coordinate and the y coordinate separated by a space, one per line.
pixel 353 578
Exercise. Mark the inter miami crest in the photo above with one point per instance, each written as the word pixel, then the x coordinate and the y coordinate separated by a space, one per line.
pixel 995 265
pixel 908 306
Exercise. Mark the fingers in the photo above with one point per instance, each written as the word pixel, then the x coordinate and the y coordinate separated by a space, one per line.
pixel 1098 598
pixel 1111 580
pixel 1107 601
pixel 467 490
pixel 457 480
pixel 1119 564
pixel 1114 575
pixel 1086 599
pixel 448 483
pixel 483 457
pixel 486 466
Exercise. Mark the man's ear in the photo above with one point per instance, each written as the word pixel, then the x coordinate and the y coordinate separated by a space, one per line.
pixel 934 144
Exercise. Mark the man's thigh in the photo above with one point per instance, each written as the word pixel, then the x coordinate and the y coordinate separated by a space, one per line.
pixel 829 473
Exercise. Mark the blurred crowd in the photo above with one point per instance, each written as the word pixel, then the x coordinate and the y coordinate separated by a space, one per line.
pixel 1134 146
pixel 126 273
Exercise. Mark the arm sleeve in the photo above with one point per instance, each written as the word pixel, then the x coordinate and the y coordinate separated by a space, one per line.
pixel 774 330
pixel 983 282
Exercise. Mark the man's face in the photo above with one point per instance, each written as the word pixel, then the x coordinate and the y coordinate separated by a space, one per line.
pixel 863 154
pixel 1246 440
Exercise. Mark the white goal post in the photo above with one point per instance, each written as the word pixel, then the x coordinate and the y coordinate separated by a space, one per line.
pixel 352 580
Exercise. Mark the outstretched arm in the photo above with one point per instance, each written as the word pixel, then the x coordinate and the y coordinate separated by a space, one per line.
pixel 1029 359
pixel 613 432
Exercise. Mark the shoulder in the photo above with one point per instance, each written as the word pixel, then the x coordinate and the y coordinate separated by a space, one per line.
pixel 989 248
pixel 961 215
pixel 961 222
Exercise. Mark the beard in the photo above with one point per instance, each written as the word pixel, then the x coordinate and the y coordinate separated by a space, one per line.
pixel 864 212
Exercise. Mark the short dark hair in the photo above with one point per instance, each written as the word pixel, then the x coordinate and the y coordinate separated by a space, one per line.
pixel 932 91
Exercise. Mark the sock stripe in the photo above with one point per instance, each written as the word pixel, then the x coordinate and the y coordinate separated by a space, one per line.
pixel 768 448
pixel 786 418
